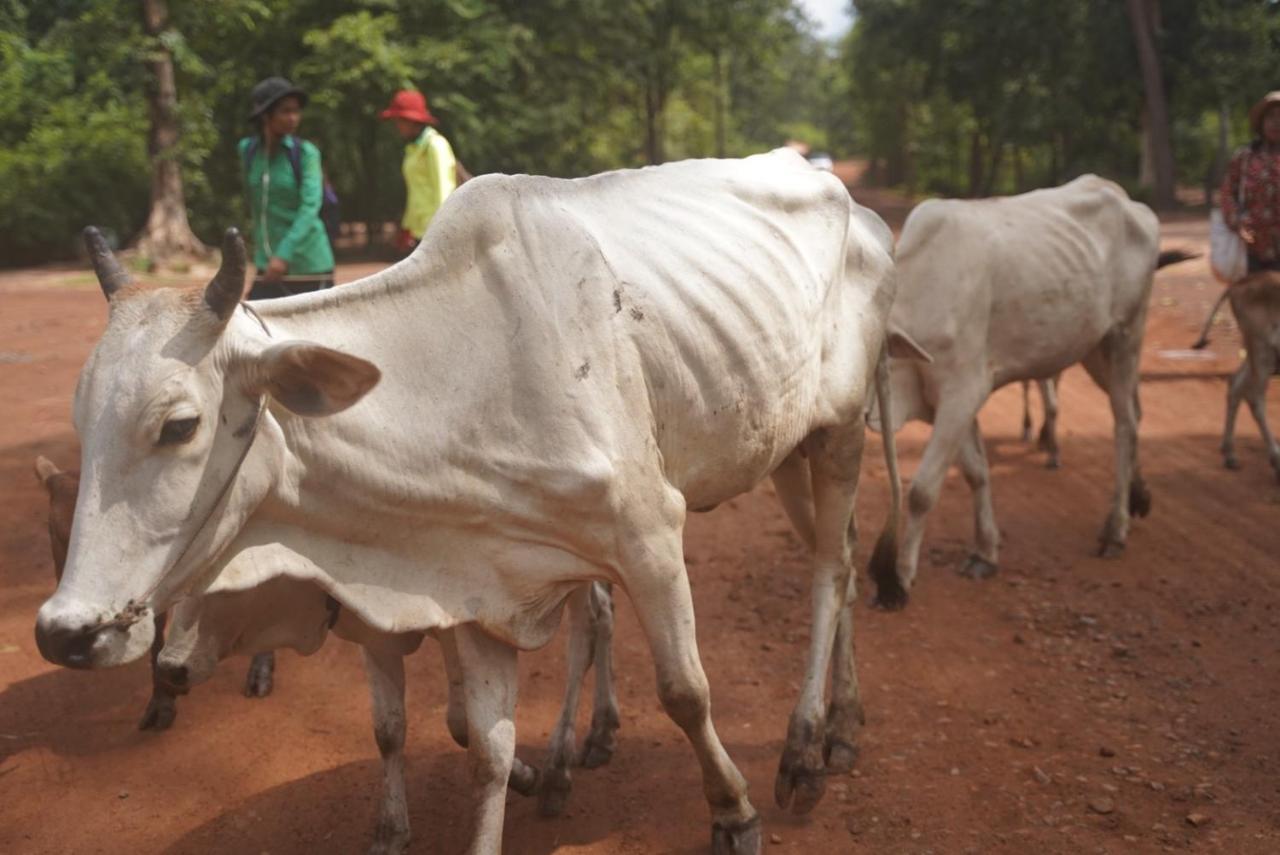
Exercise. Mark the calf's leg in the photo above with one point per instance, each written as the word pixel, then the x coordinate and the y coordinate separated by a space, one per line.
pixel 385 672
pixel 1235 394
pixel 1262 363
pixel 259 680
pixel 601 740
pixel 556 780
pixel 1049 430
pixel 162 708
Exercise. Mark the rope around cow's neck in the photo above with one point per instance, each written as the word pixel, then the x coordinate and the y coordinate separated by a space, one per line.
pixel 134 610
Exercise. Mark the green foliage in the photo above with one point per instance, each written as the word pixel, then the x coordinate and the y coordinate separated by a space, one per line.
pixel 976 97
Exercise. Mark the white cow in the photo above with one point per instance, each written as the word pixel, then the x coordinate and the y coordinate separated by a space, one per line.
pixel 287 612
pixel 563 369
pixel 1011 289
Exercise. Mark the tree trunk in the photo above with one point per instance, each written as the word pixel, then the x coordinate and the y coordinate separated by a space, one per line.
pixel 1144 17
pixel 975 164
pixel 167 233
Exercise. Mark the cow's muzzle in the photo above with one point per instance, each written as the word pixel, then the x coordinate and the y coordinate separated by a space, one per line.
pixel 80 638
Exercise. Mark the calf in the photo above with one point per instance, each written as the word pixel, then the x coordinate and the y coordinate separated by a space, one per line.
pixel 63 487
pixel 287 612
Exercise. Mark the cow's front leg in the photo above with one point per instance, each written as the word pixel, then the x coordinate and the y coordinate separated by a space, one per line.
pixel 601 739
pixel 384 667
pixel 489 686
pixel 955 414
pixel 556 780
pixel 162 709
pixel 1235 394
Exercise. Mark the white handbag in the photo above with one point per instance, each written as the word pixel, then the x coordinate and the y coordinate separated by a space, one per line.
pixel 1228 258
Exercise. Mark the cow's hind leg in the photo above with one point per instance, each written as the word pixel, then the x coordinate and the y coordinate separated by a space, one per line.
pixel 162 708
pixel 489 686
pixel 1113 365
pixel 384 669
pixel 601 739
pixel 1026 411
pixel 835 459
pixel 845 716
pixel 1235 394
pixel 659 590
pixel 972 458
pixel 260 678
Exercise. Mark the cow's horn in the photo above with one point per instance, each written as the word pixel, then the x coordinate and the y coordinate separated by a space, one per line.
pixel 223 293
pixel 111 275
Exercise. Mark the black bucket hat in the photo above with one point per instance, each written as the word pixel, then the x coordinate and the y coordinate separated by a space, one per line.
pixel 267 92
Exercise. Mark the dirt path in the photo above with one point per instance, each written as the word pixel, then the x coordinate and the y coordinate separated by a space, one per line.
pixel 1069 705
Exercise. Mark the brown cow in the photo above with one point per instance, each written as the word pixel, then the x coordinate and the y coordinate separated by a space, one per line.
pixel 1255 301
pixel 63 487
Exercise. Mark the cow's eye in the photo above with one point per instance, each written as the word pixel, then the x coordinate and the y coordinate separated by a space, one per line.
pixel 178 431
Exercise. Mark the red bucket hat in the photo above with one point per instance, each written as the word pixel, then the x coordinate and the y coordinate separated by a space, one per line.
pixel 411 105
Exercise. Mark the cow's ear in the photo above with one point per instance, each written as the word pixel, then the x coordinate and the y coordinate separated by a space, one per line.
pixel 311 380
pixel 903 346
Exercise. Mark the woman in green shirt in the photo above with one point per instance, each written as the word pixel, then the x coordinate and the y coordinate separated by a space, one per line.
pixel 285 186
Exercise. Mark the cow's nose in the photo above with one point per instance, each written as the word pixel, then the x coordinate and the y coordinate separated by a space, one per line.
pixel 68 646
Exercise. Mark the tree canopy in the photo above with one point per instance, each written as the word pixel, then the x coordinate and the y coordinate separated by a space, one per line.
pixel 944 96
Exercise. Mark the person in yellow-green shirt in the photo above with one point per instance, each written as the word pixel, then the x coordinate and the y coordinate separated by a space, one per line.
pixel 430 169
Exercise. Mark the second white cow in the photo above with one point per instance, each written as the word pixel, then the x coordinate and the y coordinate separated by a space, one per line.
pixel 1011 289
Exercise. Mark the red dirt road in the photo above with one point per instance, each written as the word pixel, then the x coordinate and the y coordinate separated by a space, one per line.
pixel 1071 704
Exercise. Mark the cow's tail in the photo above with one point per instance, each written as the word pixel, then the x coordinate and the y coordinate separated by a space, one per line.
pixel 1174 256
pixel 883 567
pixel 1203 341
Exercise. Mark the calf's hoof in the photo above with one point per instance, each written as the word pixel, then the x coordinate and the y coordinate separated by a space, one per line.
pixel 1231 462
pixel 160 712
pixel 1053 464
pixel 553 792
pixel 739 838
pixel 601 742
pixel 259 680
pixel 977 567
pixel 524 779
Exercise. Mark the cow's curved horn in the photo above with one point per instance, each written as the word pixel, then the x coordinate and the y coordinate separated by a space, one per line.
pixel 223 293
pixel 111 276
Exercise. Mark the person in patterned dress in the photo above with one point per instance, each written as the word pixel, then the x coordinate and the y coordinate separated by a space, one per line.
pixel 1250 194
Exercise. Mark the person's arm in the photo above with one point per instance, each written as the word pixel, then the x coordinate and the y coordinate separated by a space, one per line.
pixel 310 197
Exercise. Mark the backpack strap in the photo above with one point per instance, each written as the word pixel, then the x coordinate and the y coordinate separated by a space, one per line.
pixel 295 158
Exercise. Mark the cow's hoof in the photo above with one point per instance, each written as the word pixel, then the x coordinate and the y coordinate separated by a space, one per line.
pixel 260 678
pixel 160 712
pixel 739 838
pixel 890 598
pixel 1231 462
pixel 1110 549
pixel 389 841
pixel 553 792
pixel 1053 464
pixel 841 756
pixel 1139 499
pixel 601 742
pixel 799 785
pixel 977 567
